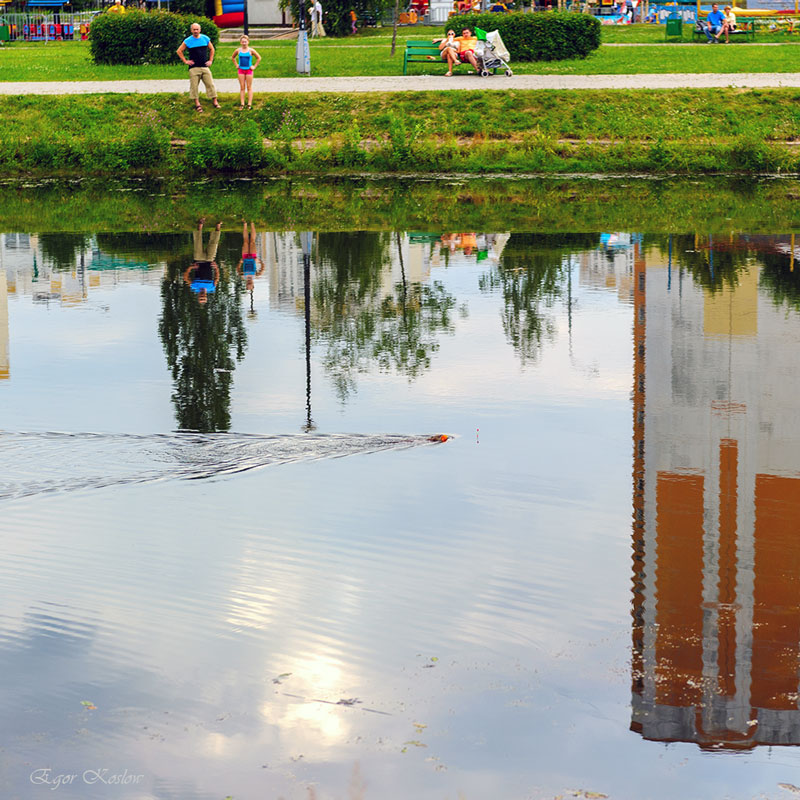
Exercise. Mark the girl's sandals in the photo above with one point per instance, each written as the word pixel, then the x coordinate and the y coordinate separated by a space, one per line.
pixel 241 107
pixel 448 74
pixel 216 103
pixel 249 107
pixel 198 109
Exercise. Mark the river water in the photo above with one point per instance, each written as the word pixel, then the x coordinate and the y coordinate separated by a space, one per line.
pixel 239 559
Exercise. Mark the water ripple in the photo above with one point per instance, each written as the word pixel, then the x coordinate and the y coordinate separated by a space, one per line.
pixel 34 463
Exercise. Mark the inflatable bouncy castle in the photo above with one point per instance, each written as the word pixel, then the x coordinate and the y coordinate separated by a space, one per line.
pixel 229 13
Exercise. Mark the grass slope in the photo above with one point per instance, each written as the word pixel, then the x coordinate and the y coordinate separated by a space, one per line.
pixel 689 131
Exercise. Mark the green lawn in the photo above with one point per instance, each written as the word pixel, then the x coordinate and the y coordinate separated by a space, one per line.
pixel 70 61
pixel 641 34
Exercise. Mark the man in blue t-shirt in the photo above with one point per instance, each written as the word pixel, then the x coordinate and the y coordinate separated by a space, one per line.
pixel 197 52
pixel 715 19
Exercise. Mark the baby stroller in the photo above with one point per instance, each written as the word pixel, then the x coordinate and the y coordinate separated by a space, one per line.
pixel 491 53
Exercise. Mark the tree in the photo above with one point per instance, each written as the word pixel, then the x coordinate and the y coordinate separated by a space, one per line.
pixel 530 277
pixel 200 342
pixel 366 324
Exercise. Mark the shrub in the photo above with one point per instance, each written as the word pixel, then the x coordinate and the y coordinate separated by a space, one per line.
pixel 140 37
pixel 149 143
pixel 218 149
pixel 538 37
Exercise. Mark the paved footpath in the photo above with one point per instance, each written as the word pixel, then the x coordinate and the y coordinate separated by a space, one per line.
pixel 423 83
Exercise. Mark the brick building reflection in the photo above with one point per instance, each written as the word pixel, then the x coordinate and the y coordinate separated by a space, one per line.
pixel 716 494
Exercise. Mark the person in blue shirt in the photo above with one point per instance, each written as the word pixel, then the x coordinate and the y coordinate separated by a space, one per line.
pixel 197 52
pixel 715 21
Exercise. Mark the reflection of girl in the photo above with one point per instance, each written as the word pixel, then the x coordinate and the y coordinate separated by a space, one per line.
pixel 250 265
pixel 245 56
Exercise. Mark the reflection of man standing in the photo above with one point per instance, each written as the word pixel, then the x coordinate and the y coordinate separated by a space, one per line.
pixel 202 275
pixel 200 51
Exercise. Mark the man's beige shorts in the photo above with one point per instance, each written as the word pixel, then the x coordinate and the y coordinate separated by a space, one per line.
pixel 197 74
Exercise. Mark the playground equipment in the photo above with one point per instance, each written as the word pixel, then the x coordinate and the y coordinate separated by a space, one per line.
pixel 229 13
pixel 43 27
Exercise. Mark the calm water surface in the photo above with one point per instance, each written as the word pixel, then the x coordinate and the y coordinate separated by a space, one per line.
pixel 234 564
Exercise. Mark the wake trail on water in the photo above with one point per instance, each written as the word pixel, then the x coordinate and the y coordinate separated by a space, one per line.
pixel 37 463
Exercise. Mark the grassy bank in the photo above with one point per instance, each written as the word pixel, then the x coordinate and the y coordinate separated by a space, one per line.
pixel 70 61
pixel 680 131
pixel 710 205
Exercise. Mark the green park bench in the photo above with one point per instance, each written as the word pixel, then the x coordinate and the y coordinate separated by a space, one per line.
pixel 420 50
pixel 745 29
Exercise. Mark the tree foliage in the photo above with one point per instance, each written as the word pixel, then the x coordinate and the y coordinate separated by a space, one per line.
pixel 202 344
pixel 336 13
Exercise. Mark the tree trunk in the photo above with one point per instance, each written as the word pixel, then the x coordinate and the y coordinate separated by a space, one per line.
pixel 394 29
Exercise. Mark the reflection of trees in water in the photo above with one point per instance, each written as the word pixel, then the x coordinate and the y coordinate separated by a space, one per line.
pixel 530 277
pixel 713 262
pixel 148 248
pixel 364 324
pixel 780 280
pixel 61 250
pixel 200 343
pixel 717 262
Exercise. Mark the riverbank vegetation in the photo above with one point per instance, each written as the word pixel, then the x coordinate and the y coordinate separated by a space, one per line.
pixel 71 61
pixel 152 206
pixel 677 131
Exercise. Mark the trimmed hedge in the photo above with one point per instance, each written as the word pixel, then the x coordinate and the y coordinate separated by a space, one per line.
pixel 541 36
pixel 143 37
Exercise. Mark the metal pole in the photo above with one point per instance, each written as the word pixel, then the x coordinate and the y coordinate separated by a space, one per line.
pixel 246 20
pixel 306 241
pixel 303 55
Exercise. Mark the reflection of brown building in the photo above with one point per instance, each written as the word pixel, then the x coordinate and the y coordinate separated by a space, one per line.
pixel 716 530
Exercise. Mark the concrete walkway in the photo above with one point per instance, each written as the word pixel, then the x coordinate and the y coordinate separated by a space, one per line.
pixel 423 83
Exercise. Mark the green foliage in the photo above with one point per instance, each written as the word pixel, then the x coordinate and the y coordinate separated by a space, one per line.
pixel 539 37
pixel 202 344
pixel 149 143
pixel 223 149
pixel 361 322
pixel 750 154
pixel 140 37
pixel 336 13
pixel 195 8
pixel 530 277
pixel 351 154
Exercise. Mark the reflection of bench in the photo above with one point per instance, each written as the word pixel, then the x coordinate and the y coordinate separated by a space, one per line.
pixel 420 50
pixel 745 29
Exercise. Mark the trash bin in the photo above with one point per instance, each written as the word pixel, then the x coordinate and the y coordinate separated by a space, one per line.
pixel 5 33
pixel 674 26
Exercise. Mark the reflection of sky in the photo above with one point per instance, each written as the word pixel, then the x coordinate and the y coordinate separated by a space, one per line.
pixel 173 606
